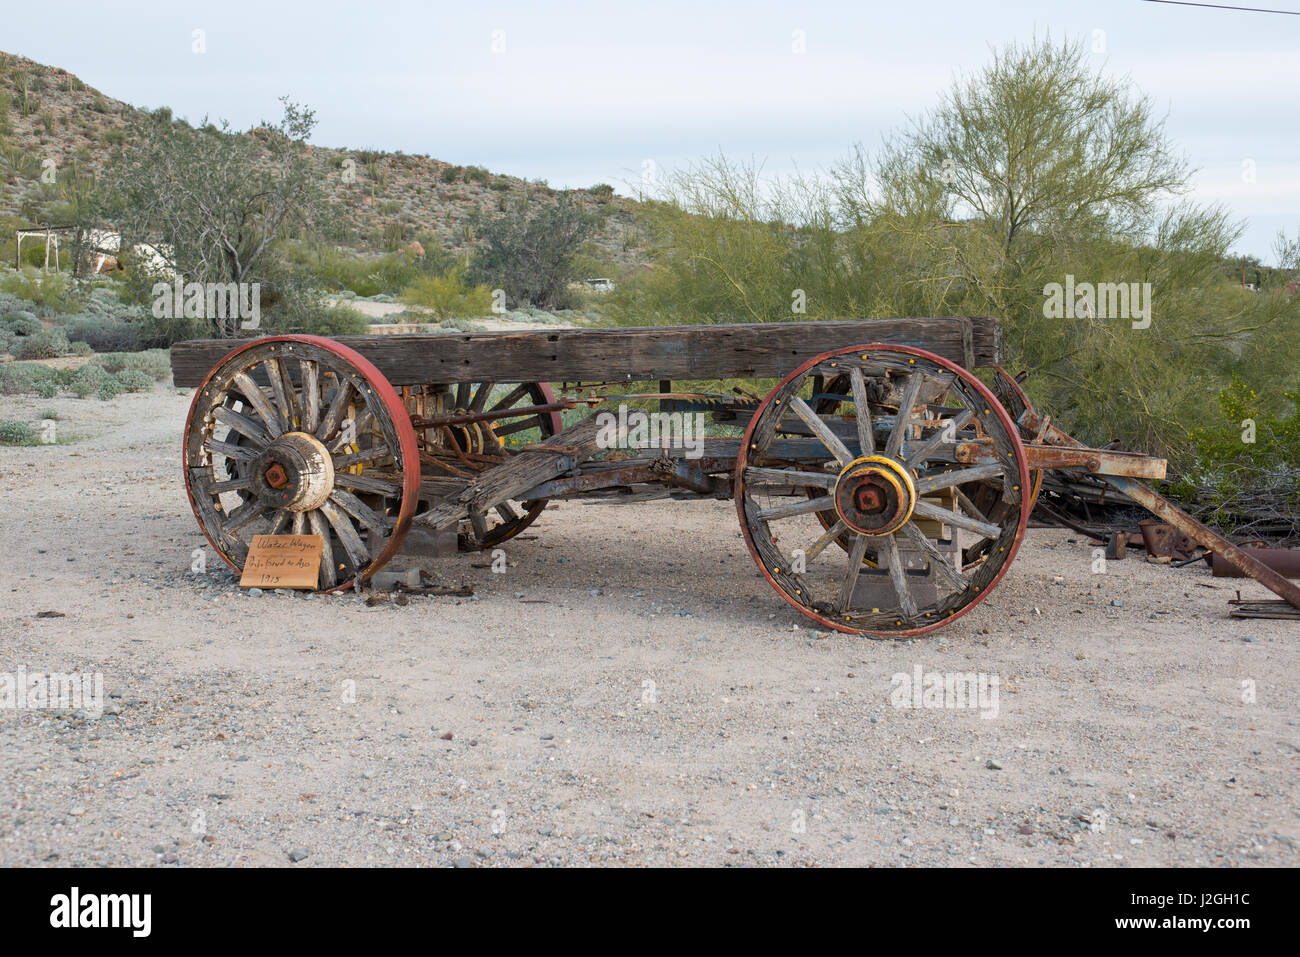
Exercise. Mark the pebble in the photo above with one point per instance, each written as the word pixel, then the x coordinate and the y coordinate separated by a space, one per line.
pixel 993 765
pixel 298 854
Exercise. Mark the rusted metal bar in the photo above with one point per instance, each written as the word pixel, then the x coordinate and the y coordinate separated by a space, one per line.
pixel 1284 561
pixel 1166 511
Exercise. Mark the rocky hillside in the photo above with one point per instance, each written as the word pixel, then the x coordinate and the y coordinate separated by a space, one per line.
pixel 382 200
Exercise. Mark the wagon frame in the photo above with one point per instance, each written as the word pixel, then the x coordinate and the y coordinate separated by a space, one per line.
pixel 881 486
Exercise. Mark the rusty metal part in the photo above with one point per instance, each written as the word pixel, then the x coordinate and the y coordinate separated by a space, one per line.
pixel 1165 541
pixel 1162 508
pixel 1284 561
pixel 874 495
pixel 1095 461
pixel 1116 546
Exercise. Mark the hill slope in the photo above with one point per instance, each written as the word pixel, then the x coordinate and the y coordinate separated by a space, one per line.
pixel 47 113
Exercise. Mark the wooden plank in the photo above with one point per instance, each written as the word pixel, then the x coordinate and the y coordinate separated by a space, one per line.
pixel 531 467
pixel 640 353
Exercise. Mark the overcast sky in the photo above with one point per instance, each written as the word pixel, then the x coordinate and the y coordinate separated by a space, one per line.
pixel 581 93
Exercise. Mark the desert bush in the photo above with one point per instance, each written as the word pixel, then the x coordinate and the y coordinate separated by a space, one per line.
pixel 46 344
pixel 14 379
pixel 529 250
pixel 133 380
pixel 46 389
pixel 155 363
pixel 51 290
pixel 103 335
pixel 109 388
pixel 80 349
pixel 447 296
pixel 16 433
pixel 86 380
pixel 49 412
pixel 451 173
pixel 22 323
pixel 7 339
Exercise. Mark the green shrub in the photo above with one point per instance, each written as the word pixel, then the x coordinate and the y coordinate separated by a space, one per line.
pixel 7 339
pixel 22 323
pixel 110 388
pixel 103 335
pixel 50 412
pixel 51 290
pixel 47 344
pixel 16 433
pixel 115 137
pixel 47 389
pixel 81 349
pixel 155 363
pixel 448 296
pixel 451 173
pixel 86 380
pixel 15 379
pixel 133 380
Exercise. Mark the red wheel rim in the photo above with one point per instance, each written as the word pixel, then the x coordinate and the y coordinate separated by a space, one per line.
pixel 1022 466
pixel 397 413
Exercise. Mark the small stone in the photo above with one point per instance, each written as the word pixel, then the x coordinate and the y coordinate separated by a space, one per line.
pixel 298 854
pixel 255 593
pixel 548 737
pixel 993 765
pixel 464 862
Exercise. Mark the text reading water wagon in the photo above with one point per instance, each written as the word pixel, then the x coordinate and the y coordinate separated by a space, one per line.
pixel 881 487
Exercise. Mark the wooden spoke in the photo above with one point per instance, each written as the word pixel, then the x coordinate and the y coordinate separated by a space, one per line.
pixel 356 549
pixel 479 524
pixel 280 522
pixel 244 516
pixel 532 422
pixel 945 567
pixel 898 577
pixel 334 417
pixel 857 552
pixel 761 476
pixel 804 506
pixel 364 483
pixel 239 453
pixel 363 513
pixel 945 433
pixel 233 485
pixel 511 397
pixel 310 395
pixel 365 455
pixel 361 424
pixel 329 573
pixel 299 523
pixel 820 429
pixel 949 517
pixel 941 480
pixel 481 396
pixel 862 412
pixel 280 390
pixel 507 512
pixel 462 395
pixel 968 506
pixel 252 392
pixel 905 405
pixel 246 427
pixel 819 546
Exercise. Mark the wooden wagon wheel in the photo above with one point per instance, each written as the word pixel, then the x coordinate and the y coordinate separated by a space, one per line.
pixel 455 452
pixel 301 435
pixel 899 485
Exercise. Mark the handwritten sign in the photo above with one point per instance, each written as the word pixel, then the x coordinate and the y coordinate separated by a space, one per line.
pixel 282 561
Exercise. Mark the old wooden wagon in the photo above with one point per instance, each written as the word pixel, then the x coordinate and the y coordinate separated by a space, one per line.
pixel 882 487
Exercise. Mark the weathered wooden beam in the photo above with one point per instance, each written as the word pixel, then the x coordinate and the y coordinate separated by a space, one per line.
pixel 641 353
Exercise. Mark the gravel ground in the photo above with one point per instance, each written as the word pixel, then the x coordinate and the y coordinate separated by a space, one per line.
pixel 629 691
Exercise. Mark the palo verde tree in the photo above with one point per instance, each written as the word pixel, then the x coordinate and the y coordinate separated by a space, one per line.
pixel 529 249
pixel 209 200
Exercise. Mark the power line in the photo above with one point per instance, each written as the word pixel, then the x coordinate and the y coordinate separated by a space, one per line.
pixel 1219 6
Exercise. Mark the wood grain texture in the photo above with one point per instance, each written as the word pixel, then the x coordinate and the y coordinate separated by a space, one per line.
pixel 635 353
